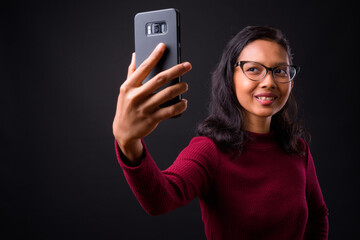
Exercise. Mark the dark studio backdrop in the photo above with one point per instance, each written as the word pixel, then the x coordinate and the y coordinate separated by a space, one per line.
pixel 62 63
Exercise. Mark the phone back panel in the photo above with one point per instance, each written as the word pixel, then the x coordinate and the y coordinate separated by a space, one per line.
pixel 146 41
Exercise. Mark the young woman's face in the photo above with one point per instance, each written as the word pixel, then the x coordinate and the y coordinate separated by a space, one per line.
pixel 264 98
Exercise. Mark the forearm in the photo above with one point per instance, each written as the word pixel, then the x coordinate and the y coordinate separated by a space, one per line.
pixel 150 186
pixel 188 177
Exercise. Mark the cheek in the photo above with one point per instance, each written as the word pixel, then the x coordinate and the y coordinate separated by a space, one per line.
pixel 285 93
pixel 244 91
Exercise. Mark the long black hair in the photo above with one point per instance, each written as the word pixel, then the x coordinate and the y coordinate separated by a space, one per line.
pixel 225 123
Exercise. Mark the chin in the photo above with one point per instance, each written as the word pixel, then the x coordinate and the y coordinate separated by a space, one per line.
pixel 265 113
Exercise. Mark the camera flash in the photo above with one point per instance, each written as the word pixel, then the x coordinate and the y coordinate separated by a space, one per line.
pixel 149 29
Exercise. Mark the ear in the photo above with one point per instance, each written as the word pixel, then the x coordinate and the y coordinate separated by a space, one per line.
pixel 292 84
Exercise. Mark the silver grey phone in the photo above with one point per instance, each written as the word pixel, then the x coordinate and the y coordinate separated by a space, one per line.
pixel 154 27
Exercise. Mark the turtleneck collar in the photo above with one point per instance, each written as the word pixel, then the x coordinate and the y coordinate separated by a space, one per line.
pixel 261 140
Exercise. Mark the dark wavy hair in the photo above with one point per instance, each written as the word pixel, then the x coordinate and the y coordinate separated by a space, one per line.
pixel 225 123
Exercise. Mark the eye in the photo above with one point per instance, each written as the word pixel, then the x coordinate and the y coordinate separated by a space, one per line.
pixel 282 71
pixel 253 69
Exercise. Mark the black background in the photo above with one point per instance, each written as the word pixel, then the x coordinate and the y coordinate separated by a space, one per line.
pixel 62 63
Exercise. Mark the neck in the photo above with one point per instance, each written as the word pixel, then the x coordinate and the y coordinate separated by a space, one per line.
pixel 257 124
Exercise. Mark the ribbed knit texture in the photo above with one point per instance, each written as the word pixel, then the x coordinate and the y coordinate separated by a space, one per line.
pixel 262 194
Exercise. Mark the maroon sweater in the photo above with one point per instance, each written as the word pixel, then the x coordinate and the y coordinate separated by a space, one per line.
pixel 262 194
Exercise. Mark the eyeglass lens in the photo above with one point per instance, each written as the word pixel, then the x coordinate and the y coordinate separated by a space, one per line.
pixel 256 72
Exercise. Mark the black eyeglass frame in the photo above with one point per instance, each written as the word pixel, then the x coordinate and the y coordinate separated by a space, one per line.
pixel 241 64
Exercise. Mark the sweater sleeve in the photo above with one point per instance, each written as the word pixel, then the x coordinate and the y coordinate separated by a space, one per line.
pixel 189 176
pixel 317 226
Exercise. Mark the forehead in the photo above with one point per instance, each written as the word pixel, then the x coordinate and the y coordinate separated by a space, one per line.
pixel 264 51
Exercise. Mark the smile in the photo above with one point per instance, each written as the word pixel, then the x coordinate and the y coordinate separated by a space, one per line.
pixel 266 98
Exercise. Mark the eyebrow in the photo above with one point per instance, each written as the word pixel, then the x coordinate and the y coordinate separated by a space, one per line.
pixel 275 65
pixel 282 63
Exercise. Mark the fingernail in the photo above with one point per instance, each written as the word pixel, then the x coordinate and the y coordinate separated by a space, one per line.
pixel 133 57
pixel 159 46
pixel 187 65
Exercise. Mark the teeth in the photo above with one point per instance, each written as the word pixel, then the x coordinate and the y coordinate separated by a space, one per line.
pixel 266 98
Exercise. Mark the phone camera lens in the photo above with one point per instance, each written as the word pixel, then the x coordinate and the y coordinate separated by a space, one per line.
pixel 156 28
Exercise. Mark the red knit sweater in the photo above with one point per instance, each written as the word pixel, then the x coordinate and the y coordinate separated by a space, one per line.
pixel 262 194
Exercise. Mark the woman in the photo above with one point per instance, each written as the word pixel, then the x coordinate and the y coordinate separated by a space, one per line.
pixel 253 174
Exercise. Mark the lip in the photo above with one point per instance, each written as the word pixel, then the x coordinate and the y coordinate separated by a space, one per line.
pixel 260 98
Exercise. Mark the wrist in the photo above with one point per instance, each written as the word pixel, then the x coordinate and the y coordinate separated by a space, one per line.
pixel 132 149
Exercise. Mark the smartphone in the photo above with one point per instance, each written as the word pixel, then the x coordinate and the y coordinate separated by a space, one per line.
pixel 150 29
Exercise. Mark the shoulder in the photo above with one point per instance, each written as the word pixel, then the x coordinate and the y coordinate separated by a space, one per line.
pixel 304 146
pixel 306 154
pixel 201 148
pixel 203 144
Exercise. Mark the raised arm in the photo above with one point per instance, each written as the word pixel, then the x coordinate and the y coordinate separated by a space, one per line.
pixel 190 176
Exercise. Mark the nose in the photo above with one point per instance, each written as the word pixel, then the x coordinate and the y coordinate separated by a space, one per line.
pixel 268 81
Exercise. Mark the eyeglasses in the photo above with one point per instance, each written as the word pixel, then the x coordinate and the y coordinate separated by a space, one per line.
pixel 256 71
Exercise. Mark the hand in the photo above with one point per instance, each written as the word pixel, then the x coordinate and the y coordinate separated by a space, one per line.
pixel 138 112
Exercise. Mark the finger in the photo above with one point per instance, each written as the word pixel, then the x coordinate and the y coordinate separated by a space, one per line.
pixel 165 95
pixel 164 77
pixel 171 111
pixel 132 65
pixel 145 68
